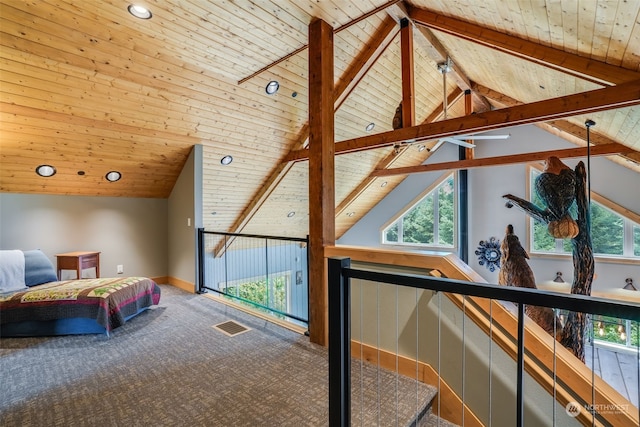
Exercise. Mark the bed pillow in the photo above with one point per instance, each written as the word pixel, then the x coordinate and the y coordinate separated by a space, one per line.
pixel 11 271
pixel 37 268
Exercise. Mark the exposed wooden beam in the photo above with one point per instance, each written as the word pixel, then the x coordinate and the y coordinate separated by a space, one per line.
pixel 579 66
pixel 623 95
pixel 350 79
pixel 407 71
pixel 321 173
pixel 303 48
pixel 435 50
pixel 438 113
pixel 578 134
pixel 393 157
pixel 468 109
pixel 561 128
pixel 598 150
pixel 500 98
pixel 365 60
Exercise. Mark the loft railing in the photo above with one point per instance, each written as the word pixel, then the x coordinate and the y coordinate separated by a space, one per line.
pixel 591 407
pixel 267 273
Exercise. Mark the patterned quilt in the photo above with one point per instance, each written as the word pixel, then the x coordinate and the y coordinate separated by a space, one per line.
pixel 107 300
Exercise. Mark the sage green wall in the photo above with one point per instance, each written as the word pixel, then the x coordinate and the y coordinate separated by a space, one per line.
pixel 149 237
pixel 127 231
pixel 184 218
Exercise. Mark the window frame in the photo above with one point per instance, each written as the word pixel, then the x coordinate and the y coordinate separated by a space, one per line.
pixel 431 189
pixel 630 220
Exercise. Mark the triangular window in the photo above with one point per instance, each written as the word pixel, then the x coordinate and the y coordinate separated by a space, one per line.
pixel 429 220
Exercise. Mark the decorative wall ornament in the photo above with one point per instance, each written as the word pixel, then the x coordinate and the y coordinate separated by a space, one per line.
pixel 489 253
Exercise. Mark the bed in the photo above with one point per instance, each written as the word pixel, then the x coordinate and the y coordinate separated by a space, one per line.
pixel 43 306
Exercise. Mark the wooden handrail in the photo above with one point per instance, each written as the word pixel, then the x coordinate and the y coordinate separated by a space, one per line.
pixel 575 376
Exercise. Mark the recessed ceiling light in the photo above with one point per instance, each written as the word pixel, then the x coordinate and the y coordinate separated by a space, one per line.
pixel 214 213
pixel 139 11
pixel 370 127
pixel 46 170
pixel 226 160
pixel 384 184
pixel 290 214
pixel 113 176
pixel 350 214
pixel 421 147
pixel 294 94
pixel 272 87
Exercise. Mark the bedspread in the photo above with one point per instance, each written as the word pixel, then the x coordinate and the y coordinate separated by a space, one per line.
pixel 109 301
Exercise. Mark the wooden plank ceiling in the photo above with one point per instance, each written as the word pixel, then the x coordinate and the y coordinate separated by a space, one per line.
pixel 88 88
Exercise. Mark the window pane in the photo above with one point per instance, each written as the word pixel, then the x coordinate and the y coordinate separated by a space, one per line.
pixel 418 223
pixel 607 231
pixel 392 233
pixel 446 213
pixel 636 240
pixel 542 240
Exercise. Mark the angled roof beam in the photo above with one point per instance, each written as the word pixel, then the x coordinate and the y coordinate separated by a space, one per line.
pixel 623 95
pixel 435 50
pixel 392 157
pixel 576 133
pixel 407 71
pixel 352 76
pixel 598 150
pixel 363 63
pixel 305 46
pixel 579 66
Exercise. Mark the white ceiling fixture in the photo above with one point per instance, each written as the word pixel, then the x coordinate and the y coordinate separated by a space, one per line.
pixel 463 140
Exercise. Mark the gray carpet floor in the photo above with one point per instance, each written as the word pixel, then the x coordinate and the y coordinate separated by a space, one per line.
pixel 170 367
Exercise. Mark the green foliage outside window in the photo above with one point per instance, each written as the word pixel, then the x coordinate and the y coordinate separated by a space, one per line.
pixel 392 233
pixel 420 225
pixel 607 231
pixel 258 293
pixel 446 214
pixel 612 330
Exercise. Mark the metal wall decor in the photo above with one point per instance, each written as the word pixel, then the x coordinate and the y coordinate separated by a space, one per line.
pixel 489 253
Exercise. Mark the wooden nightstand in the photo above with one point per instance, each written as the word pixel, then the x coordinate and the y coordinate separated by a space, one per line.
pixel 78 261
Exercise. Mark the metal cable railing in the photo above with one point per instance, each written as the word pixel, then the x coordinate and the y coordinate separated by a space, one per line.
pixel 340 338
pixel 267 273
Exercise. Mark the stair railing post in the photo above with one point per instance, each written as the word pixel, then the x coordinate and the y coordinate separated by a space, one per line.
pixel 339 343
pixel 201 254
pixel 520 368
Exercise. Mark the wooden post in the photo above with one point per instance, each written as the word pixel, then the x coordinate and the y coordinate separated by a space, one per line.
pixel 408 85
pixel 321 173
pixel 468 109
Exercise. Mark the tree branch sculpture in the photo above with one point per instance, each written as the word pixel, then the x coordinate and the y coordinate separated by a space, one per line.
pixel 558 194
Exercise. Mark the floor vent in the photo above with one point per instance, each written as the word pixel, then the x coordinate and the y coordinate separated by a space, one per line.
pixel 231 328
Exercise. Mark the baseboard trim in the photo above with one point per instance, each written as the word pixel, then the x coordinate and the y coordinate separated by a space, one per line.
pixel 181 284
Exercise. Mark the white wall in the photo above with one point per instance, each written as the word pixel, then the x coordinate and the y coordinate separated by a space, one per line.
pixel 488 215
pixel 127 231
